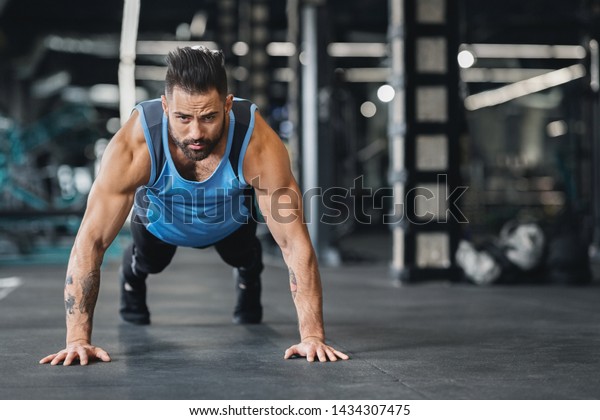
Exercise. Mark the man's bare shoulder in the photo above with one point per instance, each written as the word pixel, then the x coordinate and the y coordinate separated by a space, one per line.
pixel 131 134
pixel 264 139
pixel 266 155
pixel 127 157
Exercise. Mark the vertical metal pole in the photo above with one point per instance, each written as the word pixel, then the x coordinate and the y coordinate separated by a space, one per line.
pixel 227 29
pixel 227 35
pixel 258 55
pixel 293 22
pixel 310 174
pixel 244 89
pixel 129 30
pixel 397 130
pixel 595 129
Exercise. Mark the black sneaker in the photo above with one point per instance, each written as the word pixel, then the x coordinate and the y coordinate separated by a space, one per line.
pixel 133 303
pixel 248 309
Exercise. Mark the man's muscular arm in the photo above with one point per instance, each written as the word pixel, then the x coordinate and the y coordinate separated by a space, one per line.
pixel 125 166
pixel 267 167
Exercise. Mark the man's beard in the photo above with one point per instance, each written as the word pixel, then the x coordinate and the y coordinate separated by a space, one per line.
pixel 208 143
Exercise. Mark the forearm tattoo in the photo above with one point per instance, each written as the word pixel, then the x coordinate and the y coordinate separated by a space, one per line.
pixel 90 285
pixel 69 303
pixel 293 283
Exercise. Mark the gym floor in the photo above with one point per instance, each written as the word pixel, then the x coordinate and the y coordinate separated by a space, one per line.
pixel 434 340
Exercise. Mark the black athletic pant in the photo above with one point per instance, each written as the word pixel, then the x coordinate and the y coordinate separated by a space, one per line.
pixel 150 255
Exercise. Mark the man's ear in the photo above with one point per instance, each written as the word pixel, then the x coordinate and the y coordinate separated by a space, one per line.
pixel 228 103
pixel 165 105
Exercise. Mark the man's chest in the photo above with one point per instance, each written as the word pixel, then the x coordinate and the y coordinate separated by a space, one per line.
pixel 198 171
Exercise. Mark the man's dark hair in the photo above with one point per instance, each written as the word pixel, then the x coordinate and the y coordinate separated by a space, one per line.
pixel 196 70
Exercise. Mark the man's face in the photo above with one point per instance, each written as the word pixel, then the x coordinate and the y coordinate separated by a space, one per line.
pixel 196 121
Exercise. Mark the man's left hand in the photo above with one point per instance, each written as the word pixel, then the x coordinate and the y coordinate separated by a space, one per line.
pixel 313 347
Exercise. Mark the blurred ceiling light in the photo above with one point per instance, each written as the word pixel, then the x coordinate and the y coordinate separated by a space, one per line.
pixel 357 49
pixel 101 94
pixel 113 125
pixel 368 109
pixel 386 93
pixel 240 73
pixel 155 73
pixel 465 59
pixel 48 86
pixel 524 87
pixel 183 32
pixel 240 48
pixel 198 25
pixel 104 46
pixel 302 58
pixel 164 47
pixel 576 52
pixel 75 94
pixel 352 75
pixel 281 49
pixel 594 68
pixel 499 75
pixel 556 128
pixel 366 75
pixel 82 179
pixel 284 74
pixel 104 94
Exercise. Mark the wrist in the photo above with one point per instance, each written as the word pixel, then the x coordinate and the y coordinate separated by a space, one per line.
pixel 76 341
pixel 315 337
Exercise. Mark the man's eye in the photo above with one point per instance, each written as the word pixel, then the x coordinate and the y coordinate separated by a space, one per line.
pixel 209 118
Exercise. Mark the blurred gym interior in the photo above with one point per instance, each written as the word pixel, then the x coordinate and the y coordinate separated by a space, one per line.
pixel 456 144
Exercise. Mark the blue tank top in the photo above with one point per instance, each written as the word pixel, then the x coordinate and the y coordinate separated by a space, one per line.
pixel 189 213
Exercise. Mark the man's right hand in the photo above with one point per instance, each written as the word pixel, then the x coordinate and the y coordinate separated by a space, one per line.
pixel 82 351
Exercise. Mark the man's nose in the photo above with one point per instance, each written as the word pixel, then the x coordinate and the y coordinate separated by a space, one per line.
pixel 196 131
